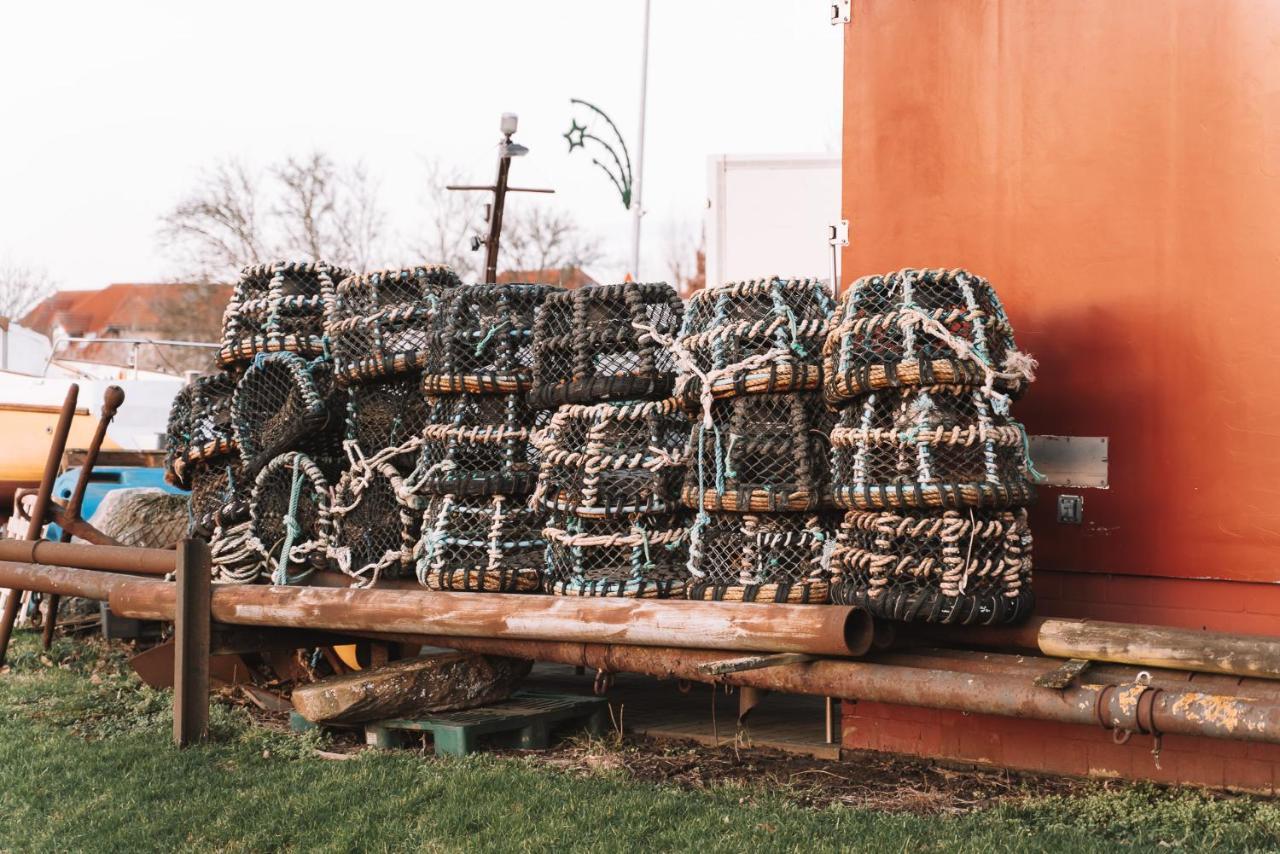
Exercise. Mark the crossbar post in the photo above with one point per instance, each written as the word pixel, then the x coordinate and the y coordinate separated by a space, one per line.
pixel 192 638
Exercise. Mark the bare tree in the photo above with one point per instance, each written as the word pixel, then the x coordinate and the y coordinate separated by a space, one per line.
pixel 21 289
pixel 303 208
pixel 453 218
pixel 686 256
pixel 538 238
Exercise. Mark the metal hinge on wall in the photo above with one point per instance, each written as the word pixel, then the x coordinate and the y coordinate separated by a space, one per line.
pixel 841 12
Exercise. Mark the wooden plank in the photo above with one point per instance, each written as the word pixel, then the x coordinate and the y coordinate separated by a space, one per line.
pixel 191 644
pixel 754 662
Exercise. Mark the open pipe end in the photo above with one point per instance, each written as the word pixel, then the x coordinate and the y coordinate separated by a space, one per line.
pixel 859 631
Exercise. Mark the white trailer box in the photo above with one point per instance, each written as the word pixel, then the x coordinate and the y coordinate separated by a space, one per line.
pixel 770 214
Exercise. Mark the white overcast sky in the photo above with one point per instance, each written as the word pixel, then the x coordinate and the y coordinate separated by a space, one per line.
pixel 111 109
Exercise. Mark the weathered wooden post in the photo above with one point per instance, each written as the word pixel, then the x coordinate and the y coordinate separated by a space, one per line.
pixel 191 638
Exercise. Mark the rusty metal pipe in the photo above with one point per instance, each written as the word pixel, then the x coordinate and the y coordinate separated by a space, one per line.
pixel 129 559
pixel 833 630
pixel 51 465
pixel 1131 707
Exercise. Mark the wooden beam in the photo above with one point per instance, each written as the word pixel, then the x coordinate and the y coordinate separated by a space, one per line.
pixel 753 662
pixel 191 644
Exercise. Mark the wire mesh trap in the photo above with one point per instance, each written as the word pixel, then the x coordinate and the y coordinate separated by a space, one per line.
pixel 219 492
pixel 492 544
pixel 376 524
pixel 199 426
pixel 378 323
pixel 922 327
pixel 479 445
pixel 290 524
pixel 641 556
pixel 760 336
pixel 954 566
pixel 481 341
pixel 762 452
pixel 936 446
pixel 612 459
pixel 598 343
pixel 278 307
pixel 760 557
pixel 387 413
pixel 284 402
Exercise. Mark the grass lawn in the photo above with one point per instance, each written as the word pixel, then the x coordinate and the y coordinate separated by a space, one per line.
pixel 85 764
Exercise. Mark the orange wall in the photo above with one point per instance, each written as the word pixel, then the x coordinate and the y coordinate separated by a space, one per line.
pixel 1114 169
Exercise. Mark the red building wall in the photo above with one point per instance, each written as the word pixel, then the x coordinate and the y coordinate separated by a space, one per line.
pixel 1114 170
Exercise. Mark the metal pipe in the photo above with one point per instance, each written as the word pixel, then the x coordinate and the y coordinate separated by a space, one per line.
pixel 138 561
pixel 833 630
pixel 34 530
pixel 1131 706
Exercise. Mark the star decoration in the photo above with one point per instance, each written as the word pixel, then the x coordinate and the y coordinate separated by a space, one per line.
pixel 575 134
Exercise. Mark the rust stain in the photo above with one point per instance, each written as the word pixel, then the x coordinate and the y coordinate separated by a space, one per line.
pixel 1214 710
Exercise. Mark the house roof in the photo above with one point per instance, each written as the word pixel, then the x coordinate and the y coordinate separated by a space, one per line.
pixel 569 277
pixel 124 306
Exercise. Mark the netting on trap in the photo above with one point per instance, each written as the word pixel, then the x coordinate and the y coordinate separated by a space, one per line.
pixel 376 524
pixel 953 566
pixel 199 426
pixel 479 445
pixel 219 492
pixel 598 343
pixel 760 557
pixel 936 446
pixel 285 402
pixel 289 528
pixel 921 327
pixel 378 323
pixel 755 337
pixel 387 413
pixel 492 544
pixel 762 452
pixel 642 557
pixel 482 340
pixel 278 307
pixel 613 459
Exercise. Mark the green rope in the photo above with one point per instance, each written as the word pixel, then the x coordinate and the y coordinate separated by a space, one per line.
pixel 488 336
pixel 291 527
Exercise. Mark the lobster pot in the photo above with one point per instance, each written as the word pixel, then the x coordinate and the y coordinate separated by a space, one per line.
pixel 613 459
pixel 936 446
pixel 761 336
pixel 477 445
pixel 597 343
pixel 762 452
pixel 289 526
pixel 276 308
pixel 386 413
pixel 951 566
pixel 285 402
pixel 376 524
pixel 484 543
pixel 921 328
pixel 219 490
pixel 642 556
pixel 378 323
pixel 481 340
pixel 760 557
pixel 199 426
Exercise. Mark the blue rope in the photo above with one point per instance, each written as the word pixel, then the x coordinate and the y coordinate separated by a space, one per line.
pixel 291 528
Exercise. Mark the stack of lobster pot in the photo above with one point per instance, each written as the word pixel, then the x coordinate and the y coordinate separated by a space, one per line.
pixel 286 421
pixel 201 454
pixel 926 456
pixel 378 328
pixel 478 465
pixel 751 376
pixel 611 455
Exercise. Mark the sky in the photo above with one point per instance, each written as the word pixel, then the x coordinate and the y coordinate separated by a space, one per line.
pixel 111 110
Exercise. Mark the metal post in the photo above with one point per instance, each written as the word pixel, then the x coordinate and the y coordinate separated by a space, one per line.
pixel 191 641
pixel 636 211
pixel 495 219
pixel 51 465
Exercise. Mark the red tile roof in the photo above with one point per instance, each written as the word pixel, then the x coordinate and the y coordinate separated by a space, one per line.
pixel 569 277
pixel 124 307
